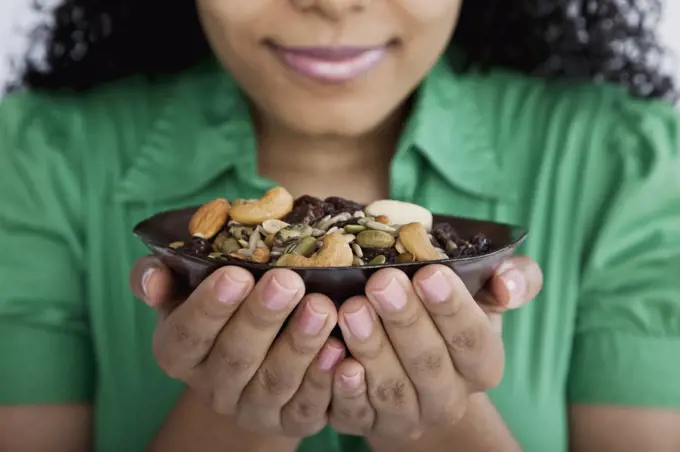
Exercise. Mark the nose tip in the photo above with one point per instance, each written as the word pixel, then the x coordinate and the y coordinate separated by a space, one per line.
pixel 333 9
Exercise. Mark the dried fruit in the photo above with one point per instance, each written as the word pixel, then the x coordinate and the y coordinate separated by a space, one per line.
pixel 209 218
pixel 314 232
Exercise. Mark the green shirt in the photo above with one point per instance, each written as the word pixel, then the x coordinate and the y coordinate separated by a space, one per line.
pixel 593 174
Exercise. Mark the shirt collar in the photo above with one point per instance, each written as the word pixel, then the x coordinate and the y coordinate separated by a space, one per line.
pixel 448 129
pixel 204 130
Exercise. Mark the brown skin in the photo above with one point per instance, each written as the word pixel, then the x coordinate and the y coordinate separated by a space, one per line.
pixel 275 388
pixel 311 137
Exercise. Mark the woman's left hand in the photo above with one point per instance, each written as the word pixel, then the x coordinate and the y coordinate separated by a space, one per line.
pixel 420 348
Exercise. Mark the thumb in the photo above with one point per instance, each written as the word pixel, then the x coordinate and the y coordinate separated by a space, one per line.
pixel 515 283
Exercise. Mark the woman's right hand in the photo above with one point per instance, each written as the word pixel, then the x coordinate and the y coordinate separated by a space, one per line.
pixel 222 342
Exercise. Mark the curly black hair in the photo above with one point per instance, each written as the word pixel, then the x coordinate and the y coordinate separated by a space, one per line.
pixel 95 41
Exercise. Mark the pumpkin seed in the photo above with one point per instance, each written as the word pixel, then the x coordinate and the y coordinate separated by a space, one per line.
pixel 378 260
pixel 405 258
pixel 375 239
pixel 214 255
pixel 291 233
pixel 354 228
pixel 273 226
pixel 240 232
pixel 243 243
pixel 230 245
pixel 305 247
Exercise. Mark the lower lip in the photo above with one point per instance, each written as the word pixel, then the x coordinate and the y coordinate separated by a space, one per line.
pixel 330 70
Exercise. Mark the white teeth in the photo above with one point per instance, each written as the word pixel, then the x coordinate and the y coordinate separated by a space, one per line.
pixel 348 67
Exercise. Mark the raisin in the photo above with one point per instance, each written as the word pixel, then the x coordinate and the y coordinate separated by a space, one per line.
pixel 445 233
pixel 336 205
pixel 307 200
pixel 305 213
pixel 481 243
pixel 389 253
pixel 198 245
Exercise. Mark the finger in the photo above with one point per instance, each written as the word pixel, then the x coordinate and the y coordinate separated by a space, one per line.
pixel 351 412
pixel 307 411
pixel 245 341
pixel 284 368
pixel 476 349
pixel 390 391
pixel 419 346
pixel 151 281
pixel 515 282
pixel 184 338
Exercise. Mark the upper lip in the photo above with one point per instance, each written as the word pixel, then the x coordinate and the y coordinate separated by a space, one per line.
pixel 328 52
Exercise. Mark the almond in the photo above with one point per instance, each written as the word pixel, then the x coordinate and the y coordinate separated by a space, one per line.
pixel 209 219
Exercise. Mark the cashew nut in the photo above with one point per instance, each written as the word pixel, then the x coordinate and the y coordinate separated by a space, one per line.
pixel 335 252
pixel 413 237
pixel 274 205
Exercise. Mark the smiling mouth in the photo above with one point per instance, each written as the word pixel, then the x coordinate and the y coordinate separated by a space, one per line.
pixel 336 64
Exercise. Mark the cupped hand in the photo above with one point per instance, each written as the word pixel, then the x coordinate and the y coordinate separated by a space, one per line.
pixel 420 348
pixel 223 341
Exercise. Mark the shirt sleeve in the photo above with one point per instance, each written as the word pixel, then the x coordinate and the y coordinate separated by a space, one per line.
pixel 626 348
pixel 45 353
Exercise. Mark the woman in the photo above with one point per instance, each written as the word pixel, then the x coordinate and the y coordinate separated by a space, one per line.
pixel 351 98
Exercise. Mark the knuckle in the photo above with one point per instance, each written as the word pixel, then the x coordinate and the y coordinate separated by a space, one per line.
pixel 393 393
pixel 317 382
pixel 404 321
pixel 370 350
pixel 234 362
pixel 466 338
pixel 274 381
pixel 262 320
pixel 304 411
pixel 303 347
pixel 428 362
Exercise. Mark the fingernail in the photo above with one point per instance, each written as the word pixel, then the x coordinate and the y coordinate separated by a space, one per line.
pixel 229 289
pixel 436 288
pixel 360 323
pixel 329 358
pixel 146 277
pixel 516 287
pixel 276 296
pixel 351 381
pixel 312 320
pixel 392 297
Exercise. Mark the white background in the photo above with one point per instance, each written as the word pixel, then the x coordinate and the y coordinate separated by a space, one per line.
pixel 16 16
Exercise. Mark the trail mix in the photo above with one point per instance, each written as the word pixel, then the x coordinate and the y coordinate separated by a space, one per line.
pixel 310 232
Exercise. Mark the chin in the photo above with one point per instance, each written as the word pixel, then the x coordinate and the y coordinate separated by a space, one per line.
pixel 333 122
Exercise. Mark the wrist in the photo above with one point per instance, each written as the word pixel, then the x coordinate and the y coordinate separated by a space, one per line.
pixel 193 425
pixel 482 428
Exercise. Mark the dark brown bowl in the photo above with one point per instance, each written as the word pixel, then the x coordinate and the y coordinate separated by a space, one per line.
pixel 337 283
